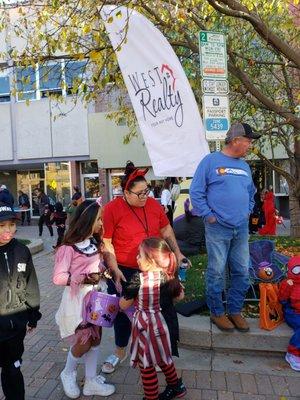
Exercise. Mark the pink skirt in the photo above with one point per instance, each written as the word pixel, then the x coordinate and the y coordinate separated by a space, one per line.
pixel 84 333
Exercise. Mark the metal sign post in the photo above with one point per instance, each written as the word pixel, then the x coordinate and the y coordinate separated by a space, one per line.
pixel 215 87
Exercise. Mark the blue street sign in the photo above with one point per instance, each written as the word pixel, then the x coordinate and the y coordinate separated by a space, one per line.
pixel 216 124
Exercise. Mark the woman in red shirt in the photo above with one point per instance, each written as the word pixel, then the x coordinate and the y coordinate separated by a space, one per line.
pixel 127 221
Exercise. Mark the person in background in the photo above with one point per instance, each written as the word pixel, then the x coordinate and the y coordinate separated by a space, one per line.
pixel 44 211
pixel 77 194
pixel 19 304
pixel 24 203
pixel 166 200
pixel 222 192
pixel 6 197
pixel 59 219
pixel 175 192
pixel 189 231
pixel 269 210
pixel 151 193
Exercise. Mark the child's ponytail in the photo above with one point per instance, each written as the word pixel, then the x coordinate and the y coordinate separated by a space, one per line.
pixel 172 265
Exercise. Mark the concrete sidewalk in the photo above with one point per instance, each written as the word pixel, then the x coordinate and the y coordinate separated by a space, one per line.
pixel 207 374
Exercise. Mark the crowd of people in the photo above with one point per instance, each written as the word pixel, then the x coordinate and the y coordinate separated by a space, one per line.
pixel 128 249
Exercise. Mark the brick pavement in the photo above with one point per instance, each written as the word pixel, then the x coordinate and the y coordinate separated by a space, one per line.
pixel 45 355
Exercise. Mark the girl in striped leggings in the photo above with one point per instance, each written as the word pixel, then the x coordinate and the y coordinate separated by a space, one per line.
pixel 150 338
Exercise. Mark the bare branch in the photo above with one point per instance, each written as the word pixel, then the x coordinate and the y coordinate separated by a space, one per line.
pixel 235 9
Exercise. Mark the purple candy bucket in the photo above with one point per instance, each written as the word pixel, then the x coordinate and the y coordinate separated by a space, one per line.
pixel 101 309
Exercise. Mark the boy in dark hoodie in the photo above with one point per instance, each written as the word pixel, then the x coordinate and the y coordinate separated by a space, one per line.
pixel 19 304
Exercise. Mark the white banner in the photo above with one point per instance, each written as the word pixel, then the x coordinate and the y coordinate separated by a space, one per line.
pixel 160 93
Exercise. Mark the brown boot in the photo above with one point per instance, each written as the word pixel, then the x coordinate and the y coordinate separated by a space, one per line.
pixel 222 322
pixel 239 322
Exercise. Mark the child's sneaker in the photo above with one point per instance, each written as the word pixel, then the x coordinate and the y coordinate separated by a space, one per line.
pixel 69 383
pixel 293 360
pixel 173 391
pixel 96 386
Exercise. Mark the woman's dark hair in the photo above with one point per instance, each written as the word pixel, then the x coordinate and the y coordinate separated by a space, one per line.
pixel 129 169
pixel 167 183
pixel 81 227
pixel 58 207
pixel 79 210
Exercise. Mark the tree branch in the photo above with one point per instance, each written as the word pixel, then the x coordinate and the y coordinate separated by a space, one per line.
pixel 266 101
pixel 235 9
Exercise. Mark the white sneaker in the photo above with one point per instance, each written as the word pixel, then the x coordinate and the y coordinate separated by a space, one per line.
pixel 96 386
pixel 69 383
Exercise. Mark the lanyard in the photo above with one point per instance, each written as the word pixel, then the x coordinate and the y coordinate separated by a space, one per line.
pixel 144 223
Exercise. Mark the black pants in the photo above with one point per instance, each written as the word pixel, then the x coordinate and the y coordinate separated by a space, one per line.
pixel 122 324
pixel 45 219
pixel 169 214
pixel 60 235
pixel 11 351
pixel 23 217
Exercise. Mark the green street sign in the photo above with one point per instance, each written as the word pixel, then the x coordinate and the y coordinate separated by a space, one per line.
pixel 213 55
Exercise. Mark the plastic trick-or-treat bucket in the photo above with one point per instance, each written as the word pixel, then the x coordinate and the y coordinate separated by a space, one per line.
pixel 101 309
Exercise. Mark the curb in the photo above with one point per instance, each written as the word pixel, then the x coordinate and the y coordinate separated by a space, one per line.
pixel 198 332
pixel 35 246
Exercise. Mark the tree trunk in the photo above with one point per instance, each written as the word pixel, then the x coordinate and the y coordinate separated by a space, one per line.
pixel 294 203
pixel 294 198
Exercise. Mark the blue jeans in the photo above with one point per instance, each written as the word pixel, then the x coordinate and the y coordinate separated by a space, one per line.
pixel 227 246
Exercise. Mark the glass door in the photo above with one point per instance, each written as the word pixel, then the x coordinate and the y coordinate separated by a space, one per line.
pixel 29 182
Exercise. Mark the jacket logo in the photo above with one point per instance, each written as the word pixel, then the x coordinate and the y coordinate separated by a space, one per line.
pixel 21 267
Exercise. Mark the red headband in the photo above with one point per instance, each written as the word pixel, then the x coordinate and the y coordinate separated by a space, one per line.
pixel 137 172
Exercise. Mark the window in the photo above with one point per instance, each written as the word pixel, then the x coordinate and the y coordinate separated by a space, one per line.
pixel 50 78
pixel 89 167
pixel 26 83
pixel 4 89
pixel 35 83
pixel 74 73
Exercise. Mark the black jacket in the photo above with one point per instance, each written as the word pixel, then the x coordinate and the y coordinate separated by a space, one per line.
pixel 19 290
pixel 7 198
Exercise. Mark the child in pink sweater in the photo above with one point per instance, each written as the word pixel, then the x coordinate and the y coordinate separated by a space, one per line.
pixel 78 266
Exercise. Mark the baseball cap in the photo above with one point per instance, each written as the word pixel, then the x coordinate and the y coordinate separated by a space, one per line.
pixel 6 213
pixel 2 187
pixel 240 130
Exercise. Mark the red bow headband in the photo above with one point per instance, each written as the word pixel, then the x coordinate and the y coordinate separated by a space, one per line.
pixel 137 172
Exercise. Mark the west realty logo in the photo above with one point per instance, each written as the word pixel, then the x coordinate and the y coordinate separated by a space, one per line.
pixel 155 91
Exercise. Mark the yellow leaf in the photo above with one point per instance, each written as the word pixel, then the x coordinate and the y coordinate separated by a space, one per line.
pixel 86 29
pixel 95 55
pixel 110 20
pixel 80 56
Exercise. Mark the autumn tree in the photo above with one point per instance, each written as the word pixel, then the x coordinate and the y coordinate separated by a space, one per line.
pixel 263 60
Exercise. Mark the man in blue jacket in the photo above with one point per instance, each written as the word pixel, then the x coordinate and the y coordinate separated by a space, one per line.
pixel 222 192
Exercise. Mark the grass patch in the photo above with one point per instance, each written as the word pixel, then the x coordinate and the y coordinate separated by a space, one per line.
pixel 195 279
pixel 24 241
